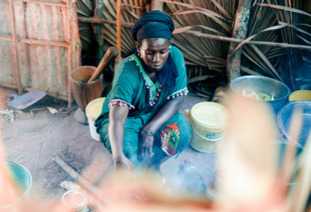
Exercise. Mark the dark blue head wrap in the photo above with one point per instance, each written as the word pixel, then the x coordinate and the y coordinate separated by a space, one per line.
pixel 154 24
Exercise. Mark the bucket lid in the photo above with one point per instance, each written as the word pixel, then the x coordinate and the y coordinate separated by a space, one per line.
pixel 300 95
pixel 94 107
pixel 210 114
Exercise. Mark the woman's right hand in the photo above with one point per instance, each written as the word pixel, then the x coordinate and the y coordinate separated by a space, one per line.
pixel 123 162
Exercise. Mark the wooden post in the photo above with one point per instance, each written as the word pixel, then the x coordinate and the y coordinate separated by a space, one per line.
pixel 74 43
pixel 239 32
pixel 14 39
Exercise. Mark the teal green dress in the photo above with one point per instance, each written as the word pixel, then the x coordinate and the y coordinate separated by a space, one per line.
pixel 132 88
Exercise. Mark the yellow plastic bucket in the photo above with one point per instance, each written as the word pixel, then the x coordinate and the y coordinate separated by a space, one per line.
pixel 209 119
pixel 92 111
pixel 209 122
pixel 300 95
pixel 203 144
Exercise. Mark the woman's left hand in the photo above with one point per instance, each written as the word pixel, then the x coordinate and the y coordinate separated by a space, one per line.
pixel 146 140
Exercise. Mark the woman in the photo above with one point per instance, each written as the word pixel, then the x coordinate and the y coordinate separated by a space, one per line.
pixel 140 121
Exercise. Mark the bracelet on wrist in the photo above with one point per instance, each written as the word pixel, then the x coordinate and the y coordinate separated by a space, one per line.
pixel 148 132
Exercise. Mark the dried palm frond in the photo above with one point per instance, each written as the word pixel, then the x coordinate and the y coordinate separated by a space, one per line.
pixel 85 8
pixel 211 17
pixel 275 21
pixel 131 11
pixel 283 22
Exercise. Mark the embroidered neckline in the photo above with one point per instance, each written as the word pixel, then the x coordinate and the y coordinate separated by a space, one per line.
pixel 154 88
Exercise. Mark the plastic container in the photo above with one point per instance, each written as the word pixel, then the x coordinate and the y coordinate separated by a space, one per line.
pixel 211 190
pixel 286 114
pixel 23 179
pixel 191 180
pixel 300 95
pixel 263 87
pixel 203 144
pixel 209 119
pixel 92 111
pixel 282 147
pixel 76 200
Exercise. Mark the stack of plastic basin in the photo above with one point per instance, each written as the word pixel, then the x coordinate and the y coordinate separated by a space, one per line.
pixel 296 109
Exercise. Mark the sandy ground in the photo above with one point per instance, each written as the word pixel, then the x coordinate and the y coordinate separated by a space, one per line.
pixel 36 136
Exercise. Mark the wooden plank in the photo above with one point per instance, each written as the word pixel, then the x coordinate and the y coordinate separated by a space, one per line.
pixel 45 3
pixel 8 85
pixel 6 38
pixel 45 43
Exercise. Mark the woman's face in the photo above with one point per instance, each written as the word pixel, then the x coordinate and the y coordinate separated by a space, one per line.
pixel 154 52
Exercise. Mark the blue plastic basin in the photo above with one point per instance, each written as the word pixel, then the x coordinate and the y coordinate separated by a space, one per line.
pixel 23 179
pixel 285 116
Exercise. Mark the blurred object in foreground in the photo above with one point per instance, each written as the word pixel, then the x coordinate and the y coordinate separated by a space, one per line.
pixel 247 163
pixel 299 199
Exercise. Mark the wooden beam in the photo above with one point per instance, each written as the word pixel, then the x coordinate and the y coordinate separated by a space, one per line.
pixel 104 21
pixel 44 43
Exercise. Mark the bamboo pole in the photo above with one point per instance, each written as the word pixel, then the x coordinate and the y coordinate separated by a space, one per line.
pixel 119 25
